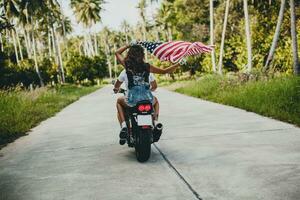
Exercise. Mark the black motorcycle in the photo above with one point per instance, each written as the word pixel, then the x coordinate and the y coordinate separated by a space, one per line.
pixel 142 131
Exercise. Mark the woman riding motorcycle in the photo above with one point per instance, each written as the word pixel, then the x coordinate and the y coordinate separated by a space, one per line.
pixel 139 83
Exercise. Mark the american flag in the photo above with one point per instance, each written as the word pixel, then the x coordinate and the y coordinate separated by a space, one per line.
pixel 175 51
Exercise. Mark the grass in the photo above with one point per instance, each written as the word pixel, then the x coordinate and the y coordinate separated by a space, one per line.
pixel 278 98
pixel 21 110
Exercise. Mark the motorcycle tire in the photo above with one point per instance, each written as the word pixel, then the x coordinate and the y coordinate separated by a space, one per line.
pixel 143 145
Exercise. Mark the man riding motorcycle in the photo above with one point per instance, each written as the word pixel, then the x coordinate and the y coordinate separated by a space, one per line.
pixel 139 82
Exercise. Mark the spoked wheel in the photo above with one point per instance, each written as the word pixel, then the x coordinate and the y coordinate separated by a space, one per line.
pixel 143 145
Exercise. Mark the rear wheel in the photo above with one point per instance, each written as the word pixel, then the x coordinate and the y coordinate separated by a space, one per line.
pixel 143 145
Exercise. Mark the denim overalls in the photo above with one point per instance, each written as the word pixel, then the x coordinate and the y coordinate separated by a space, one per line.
pixel 138 87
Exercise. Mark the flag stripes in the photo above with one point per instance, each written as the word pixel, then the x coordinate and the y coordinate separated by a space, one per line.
pixel 175 51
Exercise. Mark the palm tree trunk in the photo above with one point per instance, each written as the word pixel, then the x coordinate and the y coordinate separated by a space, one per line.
pixel 107 58
pixel 276 35
pixel 30 44
pixel 166 35
pixel 1 43
pixel 36 63
pixel 49 42
pixel 109 63
pixel 64 38
pixel 145 38
pixel 53 45
pixel 294 39
pixel 91 46
pixel 213 56
pixel 79 48
pixel 15 45
pixel 19 45
pixel 26 44
pixel 58 54
pixel 223 36
pixel 84 46
pixel 96 44
pixel 170 37
pixel 60 61
pixel 248 36
pixel 115 61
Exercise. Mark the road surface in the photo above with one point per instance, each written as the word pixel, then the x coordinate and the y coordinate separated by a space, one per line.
pixel 208 151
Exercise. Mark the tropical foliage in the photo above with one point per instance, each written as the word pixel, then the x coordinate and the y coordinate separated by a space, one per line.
pixel 36 45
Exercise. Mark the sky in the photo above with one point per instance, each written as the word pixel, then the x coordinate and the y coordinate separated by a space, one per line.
pixel 115 11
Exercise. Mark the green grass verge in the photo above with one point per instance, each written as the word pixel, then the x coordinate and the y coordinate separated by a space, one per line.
pixel 278 98
pixel 22 110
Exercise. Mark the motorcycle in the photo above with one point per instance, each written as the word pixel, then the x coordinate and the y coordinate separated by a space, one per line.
pixel 142 131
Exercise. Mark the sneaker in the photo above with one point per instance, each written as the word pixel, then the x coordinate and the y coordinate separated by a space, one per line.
pixel 123 135
pixel 122 141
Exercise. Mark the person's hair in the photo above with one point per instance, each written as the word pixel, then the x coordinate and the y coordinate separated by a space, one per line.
pixel 135 59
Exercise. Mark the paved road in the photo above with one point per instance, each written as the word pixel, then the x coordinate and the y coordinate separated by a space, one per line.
pixel 208 151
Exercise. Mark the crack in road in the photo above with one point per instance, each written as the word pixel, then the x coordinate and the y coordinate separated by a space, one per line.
pixel 195 193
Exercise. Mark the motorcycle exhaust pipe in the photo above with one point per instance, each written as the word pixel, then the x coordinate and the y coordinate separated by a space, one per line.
pixel 159 127
pixel 157 132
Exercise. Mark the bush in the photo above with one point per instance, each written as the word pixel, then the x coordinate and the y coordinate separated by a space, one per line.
pixel 80 68
pixel 24 73
pixel 12 74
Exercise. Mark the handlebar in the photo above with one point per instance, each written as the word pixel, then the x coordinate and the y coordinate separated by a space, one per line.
pixel 121 90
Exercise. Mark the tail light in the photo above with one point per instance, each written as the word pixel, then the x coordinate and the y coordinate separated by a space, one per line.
pixel 147 108
pixel 141 108
pixel 144 108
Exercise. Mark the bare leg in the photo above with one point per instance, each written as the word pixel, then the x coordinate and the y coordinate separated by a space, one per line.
pixel 156 108
pixel 121 104
pixel 119 118
pixel 120 107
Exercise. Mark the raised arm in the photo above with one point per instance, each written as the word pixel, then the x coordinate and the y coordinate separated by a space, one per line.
pixel 169 70
pixel 119 56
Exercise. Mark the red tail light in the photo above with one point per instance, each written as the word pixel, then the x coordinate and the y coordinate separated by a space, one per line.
pixel 147 108
pixel 144 108
pixel 141 108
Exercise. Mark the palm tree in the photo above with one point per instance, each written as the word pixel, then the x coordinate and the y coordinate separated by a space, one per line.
pixel 223 36
pixel 32 14
pixel 64 28
pixel 87 12
pixel 105 41
pixel 211 12
pixel 15 45
pixel 19 44
pixel 11 10
pixel 142 10
pixel 276 35
pixel 164 19
pixel 248 35
pixel 294 38
pixel 125 27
